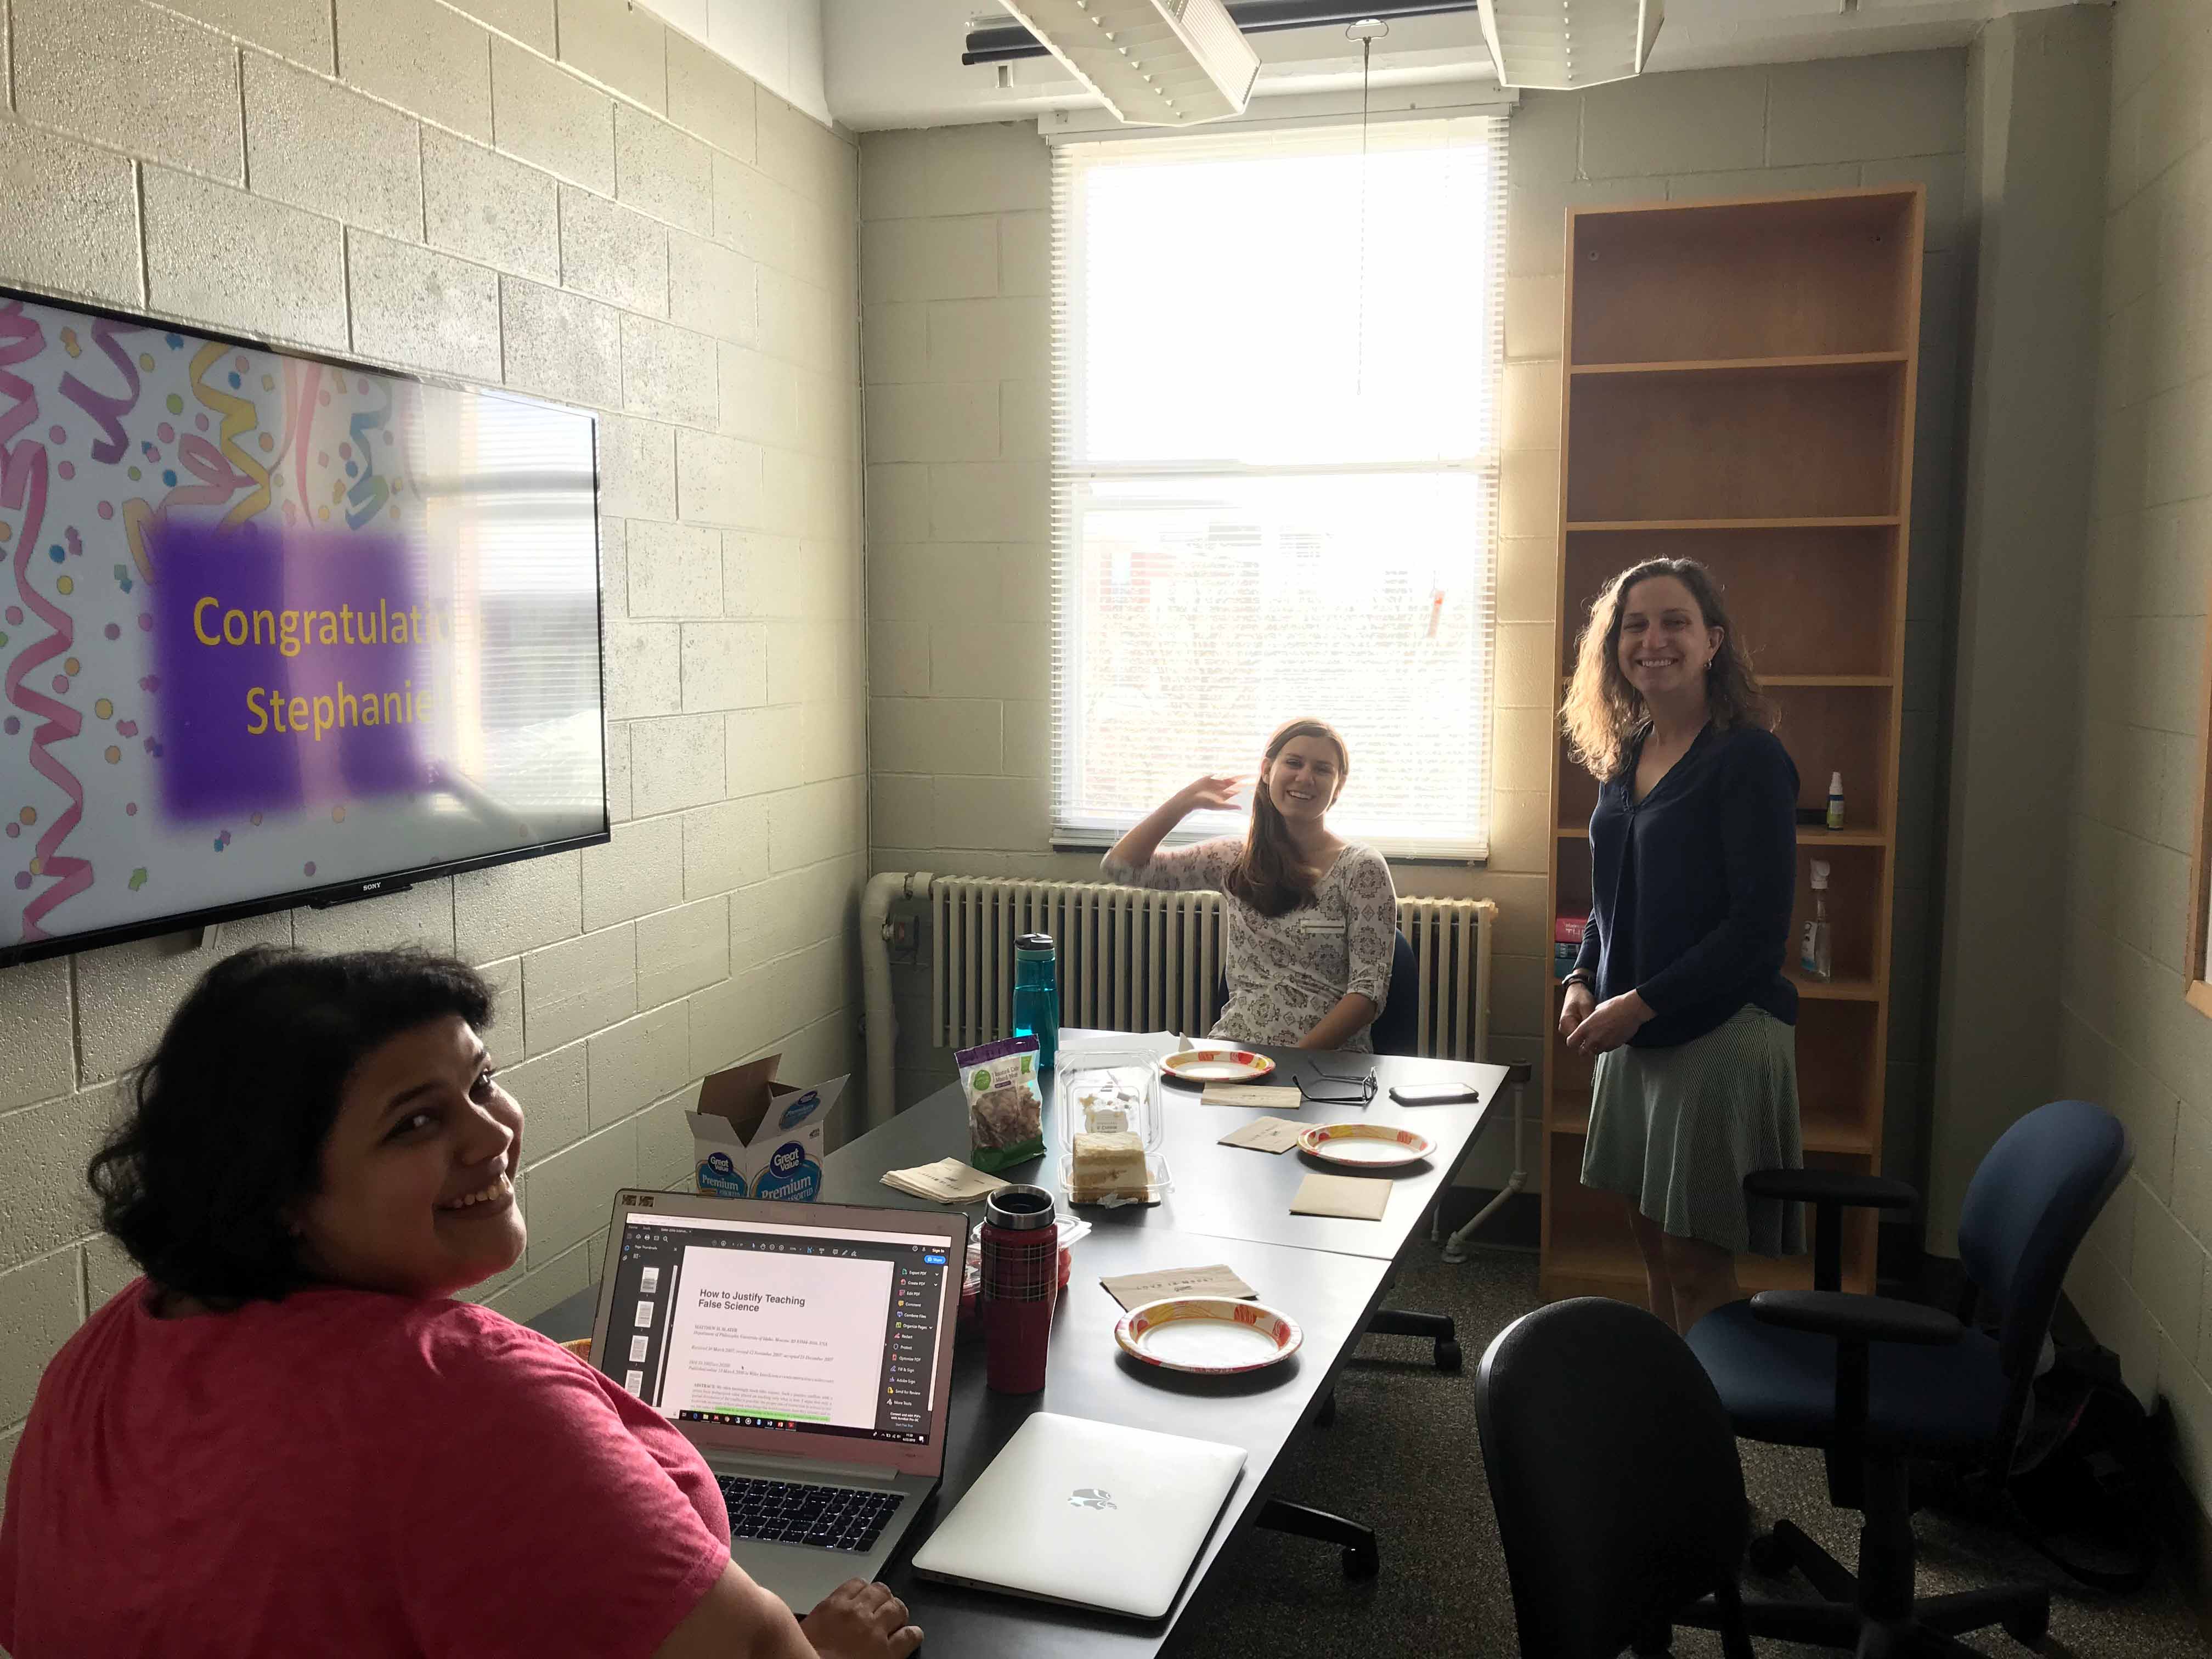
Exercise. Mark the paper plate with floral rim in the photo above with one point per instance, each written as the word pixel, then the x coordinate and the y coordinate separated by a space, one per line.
pixel 1370 1146
pixel 1207 1335
pixel 1217 1066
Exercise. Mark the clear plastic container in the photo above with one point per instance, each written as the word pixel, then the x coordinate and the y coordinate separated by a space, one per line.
pixel 1106 1089
pixel 1103 1090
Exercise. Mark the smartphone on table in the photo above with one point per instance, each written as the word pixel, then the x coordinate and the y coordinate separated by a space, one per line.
pixel 1434 1094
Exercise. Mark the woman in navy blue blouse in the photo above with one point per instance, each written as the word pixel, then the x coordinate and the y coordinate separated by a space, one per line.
pixel 1678 992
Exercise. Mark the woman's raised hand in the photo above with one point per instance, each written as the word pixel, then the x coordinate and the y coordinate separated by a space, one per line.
pixel 1216 791
pixel 1212 792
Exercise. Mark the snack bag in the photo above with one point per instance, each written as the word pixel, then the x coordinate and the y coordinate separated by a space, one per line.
pixel 1006 1113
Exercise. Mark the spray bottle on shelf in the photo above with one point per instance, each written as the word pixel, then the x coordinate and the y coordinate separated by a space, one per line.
pixel 1835 800
pixel 1815 957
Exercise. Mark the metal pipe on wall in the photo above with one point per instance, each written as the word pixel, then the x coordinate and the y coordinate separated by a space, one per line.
pixel 878 1021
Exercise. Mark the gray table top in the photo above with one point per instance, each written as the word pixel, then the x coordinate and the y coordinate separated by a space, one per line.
pixel 1227 1204
pixel 1330 1295
pixel 1223 1192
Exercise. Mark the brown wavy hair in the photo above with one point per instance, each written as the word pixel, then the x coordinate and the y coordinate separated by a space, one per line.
pixel 1603 713
pixel 1268 874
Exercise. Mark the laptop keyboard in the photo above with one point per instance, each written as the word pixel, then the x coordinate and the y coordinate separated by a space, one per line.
pixel 790 1512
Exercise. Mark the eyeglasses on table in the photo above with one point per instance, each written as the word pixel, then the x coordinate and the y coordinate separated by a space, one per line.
pixel 1330 1088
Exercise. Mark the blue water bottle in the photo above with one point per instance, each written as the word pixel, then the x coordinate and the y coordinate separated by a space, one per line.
pixel 1036 995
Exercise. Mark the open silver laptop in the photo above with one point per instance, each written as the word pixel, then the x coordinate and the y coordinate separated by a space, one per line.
pixel 806 1351
pixel 1090 1514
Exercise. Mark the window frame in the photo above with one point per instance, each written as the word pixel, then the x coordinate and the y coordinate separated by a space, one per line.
pixel 1067 475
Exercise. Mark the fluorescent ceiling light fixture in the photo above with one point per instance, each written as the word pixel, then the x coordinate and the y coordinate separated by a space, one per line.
pixel 1154 63
pixel 1563 45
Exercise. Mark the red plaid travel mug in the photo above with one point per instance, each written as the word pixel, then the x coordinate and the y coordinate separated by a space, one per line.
pixel 1021 1281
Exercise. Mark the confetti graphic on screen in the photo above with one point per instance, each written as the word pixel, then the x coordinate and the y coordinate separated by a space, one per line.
pixel 136 781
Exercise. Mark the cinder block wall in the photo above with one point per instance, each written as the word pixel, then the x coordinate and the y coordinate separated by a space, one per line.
pixel 955 276
pixel 626 224
pixel 2128 1040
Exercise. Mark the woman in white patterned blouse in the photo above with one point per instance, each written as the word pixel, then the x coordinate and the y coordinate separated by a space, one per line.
pixel 1312 919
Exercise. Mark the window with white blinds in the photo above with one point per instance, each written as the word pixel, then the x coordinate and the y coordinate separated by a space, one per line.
pixel 1275 468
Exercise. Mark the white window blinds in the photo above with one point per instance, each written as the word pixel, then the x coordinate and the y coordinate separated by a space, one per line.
pixel 1275 468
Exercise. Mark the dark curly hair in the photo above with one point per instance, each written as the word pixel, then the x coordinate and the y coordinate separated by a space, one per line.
pixel 229 1116
pixel 1602 712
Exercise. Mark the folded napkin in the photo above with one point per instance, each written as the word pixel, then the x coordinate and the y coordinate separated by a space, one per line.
pixel 1134 1289
pixel 1275 1097
pixel 948 1181
pixel 1353 1197
pixel 1265 1134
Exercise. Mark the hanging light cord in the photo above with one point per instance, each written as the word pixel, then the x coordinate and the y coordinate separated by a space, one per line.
pixel 1365 31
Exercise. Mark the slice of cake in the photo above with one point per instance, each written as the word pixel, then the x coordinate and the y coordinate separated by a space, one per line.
pixel 1108 1166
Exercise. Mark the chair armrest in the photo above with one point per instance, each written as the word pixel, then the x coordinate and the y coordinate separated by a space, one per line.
pixel 1855 1318
pixel 1831 1187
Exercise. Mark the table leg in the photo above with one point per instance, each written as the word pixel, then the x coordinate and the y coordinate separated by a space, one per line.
pixel 1361 1558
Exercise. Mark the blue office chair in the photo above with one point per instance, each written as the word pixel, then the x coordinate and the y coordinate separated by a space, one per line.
pixel 1879 1384
pixel 1397 1027
pixel 1613 1472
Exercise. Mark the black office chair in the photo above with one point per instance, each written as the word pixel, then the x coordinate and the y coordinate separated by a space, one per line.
pixel 1879 1384
pixel 1612 1470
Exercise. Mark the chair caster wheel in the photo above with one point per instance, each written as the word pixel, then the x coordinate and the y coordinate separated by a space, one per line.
pixel 1765 1555
pixel 2029 1628
pixel 1362 1561
pixel 1326 1417
pixel 1448 1354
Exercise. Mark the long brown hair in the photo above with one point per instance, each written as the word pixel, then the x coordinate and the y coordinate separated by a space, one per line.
pixel 1268 874
pixel 1603 713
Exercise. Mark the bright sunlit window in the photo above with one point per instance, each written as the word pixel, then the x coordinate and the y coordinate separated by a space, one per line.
pixel 1275 468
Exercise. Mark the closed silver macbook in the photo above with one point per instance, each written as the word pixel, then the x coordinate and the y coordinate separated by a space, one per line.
pixel 1089 1514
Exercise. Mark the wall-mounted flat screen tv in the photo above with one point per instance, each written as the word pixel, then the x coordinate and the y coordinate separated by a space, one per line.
pixel 277 629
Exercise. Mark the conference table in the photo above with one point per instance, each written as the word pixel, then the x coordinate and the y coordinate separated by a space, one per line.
pixel 1226 1205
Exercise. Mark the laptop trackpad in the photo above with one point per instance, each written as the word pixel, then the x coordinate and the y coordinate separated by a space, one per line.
pixel 800 1574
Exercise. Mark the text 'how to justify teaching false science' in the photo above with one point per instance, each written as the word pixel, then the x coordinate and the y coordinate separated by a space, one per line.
pixel 270 645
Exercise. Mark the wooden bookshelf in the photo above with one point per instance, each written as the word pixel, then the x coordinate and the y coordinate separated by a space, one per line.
pixel 1741 368
pixel 1740 390
pixel 1808 835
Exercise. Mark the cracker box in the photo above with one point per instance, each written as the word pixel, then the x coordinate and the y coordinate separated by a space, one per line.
pixel 753 1137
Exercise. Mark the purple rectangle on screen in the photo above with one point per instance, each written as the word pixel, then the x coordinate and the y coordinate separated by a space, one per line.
pixel 319 638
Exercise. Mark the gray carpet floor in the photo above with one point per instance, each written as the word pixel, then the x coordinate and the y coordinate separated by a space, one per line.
pixel 1403 1457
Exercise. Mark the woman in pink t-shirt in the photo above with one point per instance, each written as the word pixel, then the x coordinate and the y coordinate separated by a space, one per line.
pixel 287 1438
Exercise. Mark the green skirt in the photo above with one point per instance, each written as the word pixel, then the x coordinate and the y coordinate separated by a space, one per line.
pixel 1676 1130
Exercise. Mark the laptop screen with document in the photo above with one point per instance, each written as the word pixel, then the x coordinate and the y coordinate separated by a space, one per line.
pixel 825 1335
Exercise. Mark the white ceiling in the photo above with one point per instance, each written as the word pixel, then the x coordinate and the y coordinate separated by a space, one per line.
pixel 896 63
